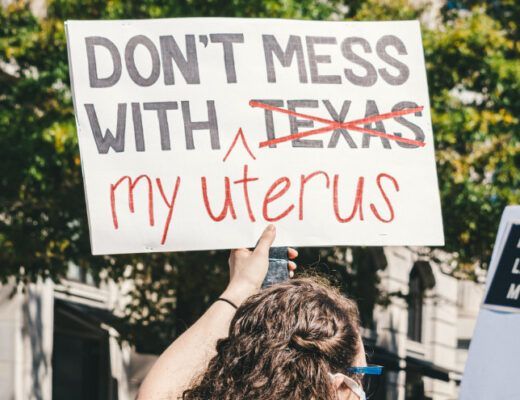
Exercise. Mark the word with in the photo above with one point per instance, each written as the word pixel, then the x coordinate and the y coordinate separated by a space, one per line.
pixel 107 141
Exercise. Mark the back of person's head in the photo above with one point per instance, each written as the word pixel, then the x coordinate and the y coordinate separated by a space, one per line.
pixel 282 344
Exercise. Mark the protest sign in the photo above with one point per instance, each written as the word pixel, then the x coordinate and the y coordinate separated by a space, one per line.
pixel 504 290
pixel 196 133
pixel 492 365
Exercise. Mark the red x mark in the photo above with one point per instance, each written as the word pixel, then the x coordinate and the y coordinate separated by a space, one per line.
pixel 331 125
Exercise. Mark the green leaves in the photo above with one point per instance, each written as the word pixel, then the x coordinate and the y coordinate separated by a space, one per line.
pixel 43 226
pixel 472 58
pixel 473 78
pixel 387 10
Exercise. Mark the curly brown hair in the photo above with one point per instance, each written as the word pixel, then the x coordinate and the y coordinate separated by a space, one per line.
pixel 282 344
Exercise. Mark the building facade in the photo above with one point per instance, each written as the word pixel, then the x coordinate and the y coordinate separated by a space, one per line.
pixel 422 337
pixel 60 341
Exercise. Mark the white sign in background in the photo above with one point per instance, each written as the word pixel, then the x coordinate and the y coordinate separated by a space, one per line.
pixel 159 104
pixel 491 370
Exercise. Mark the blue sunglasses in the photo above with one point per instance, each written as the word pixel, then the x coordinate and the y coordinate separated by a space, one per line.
pixel 370 377
pixel 368 370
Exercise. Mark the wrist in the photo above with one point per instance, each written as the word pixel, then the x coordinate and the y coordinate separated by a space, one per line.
pixel 238 293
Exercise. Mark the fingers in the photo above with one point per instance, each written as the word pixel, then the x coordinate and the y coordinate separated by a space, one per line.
pixel 293 253
pixel 291 265
pixel 266 240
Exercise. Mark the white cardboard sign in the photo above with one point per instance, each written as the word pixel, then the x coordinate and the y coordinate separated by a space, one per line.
pixel 491 370
pixel 196 133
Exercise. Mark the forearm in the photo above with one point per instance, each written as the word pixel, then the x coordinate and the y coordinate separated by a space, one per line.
pixel 189 354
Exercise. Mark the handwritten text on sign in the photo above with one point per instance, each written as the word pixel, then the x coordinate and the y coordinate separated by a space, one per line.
pixel 196 133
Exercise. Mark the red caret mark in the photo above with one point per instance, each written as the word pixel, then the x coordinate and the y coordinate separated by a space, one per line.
pixel 240 135
pixel 332 125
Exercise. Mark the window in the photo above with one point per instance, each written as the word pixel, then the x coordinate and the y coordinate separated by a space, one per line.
pixel 415 308
pixel 421 279
pixel 78 274
pixel 80 356
pixel 414 387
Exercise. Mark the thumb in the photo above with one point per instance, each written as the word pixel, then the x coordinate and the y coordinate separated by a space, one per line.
pixel 266 240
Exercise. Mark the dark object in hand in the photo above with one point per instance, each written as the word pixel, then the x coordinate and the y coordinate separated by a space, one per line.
pixel 277 271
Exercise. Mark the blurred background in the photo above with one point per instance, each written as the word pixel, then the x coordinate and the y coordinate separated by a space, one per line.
pixel 74 326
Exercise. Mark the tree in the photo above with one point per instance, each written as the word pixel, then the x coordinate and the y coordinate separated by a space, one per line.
pixel 473 71
pixel 474 76
pixel 43 225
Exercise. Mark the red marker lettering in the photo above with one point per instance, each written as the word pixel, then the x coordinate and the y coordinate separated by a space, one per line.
pixel 131 187
pixel 269 198
pixel 303 180
pixel 387 201
pixel 170 204
pixel 358 203
pixel 245 181
pixel 228 202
